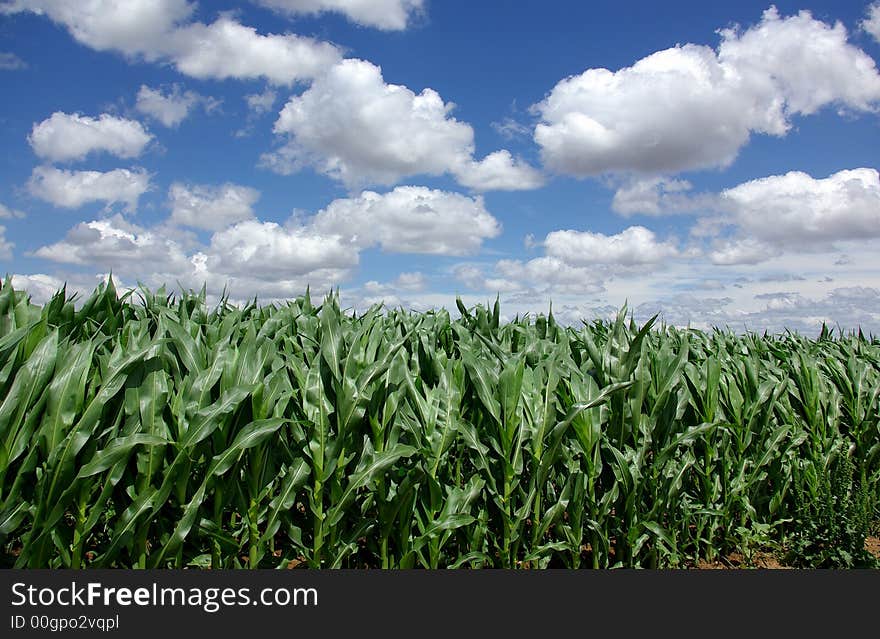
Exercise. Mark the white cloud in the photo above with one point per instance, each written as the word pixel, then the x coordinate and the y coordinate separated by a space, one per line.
pixel 766 217
pixel 267 250
pixel 696 292
pixel 399 134
pixel 261 103
pixel 809 63
pixel 271 261
pixel 5 245
pixel 655 196
pixel 575 263
pixel 133 27
pixel 228 49
pixel 7 213
pixel 170 109
pixel 871 24
pixel 797 209
pixel 115 244
pixel 389 15
pixel 253 257
pixel 160 31
pixel 211 207
pixel 258 105
pixel 508 128
pixel 475 278
pixel 411 281
pixel 743 251
pixel 65 136
pixel 392 295
pixel 11 62
pixel 73 189
pixel 691 107
pixel 40 286
pixel 709 226
pixel 408 282
pixel 471 275
pixel 499 171
pixel 546 274
pixel 531 281
pixel 247 259
pixel 410 219
pixel 633 246
pixel 776 311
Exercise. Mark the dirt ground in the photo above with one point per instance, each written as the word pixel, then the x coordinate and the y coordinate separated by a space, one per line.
pixel 873 546
pixel 736 560
pixel 763 560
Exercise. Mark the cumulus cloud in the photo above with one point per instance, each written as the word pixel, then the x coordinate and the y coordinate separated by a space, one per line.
pixel 656 196
pixel 265 249
pixel 272 261
pixel 161 31
pixel 11 62
pixel 763 218
pixel 402 292
pixel 169 108
pixel 228 49
pixel 118 245
pixel 399 134
pixel 687 310
pixel 633 246
pixel 73 189
pixel 405 282
pixel 249 258
pixel 71 136
pixel 849 307
pixel 499 171
pixel 5 245
pixel 40 286
pixel 260 103
pixel 134 27
pixel 575 263
pixel 692 107
pixel 410 219
pixel 388 15
pixel 474 277
pixel 547 274
pixel 410 281
pixel 686 292
pixel 252 257
pixel 8 213
pixel 743 251
pixel 798 209
pixel 211 207
pixel 871 24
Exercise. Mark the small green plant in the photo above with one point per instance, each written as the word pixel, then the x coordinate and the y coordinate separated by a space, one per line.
pixel 833 518
pixel 758 538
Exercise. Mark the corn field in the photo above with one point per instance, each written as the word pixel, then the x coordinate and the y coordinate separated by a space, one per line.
pixel 150 430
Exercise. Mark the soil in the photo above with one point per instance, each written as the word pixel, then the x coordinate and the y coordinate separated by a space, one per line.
pixel 872 544
pixel 765 560
pixel 735 560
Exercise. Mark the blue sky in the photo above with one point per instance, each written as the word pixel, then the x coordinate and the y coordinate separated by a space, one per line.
pixel 715 162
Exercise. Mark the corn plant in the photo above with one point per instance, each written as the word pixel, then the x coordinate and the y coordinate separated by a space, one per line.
pixel 152 430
